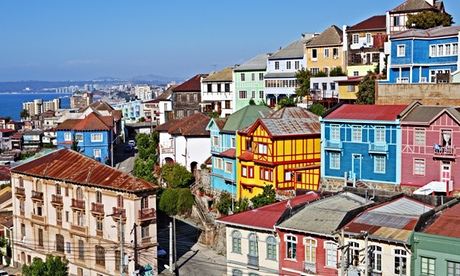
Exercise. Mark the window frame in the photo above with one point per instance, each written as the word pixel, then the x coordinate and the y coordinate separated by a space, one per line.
pixel 310 245
pixel 330 249
pixel 401 50
pixel 355 132
pixel 417 166
pixel 95 137
pixel 382 167
pixel 334 164
pixel 428 267
pixel 290 242
pixel 236 241
pixel 271 248
pixel 335 132
pixel 380 138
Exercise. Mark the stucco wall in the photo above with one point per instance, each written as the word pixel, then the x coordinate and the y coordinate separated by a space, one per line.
pixel 428 94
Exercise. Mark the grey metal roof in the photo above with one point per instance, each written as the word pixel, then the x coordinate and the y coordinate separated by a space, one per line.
pixel 428 33
pixel 331 36
pixel 280 75
pixel 282 127
pixel 293 112
pixel 294 50
pixel 403 206
pixel 424 114
pixel 256 63
pixel 326 215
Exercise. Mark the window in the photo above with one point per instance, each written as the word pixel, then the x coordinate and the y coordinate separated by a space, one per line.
pixel 144 202
pixel 375 258
pixel 40 237
pixel 288 65
pixel 331 254
pixel 400 262
pixel 58 215
pixel 261 76
pixel 227 87
pixel 314 71
pixel 335 52
pixel 145 231
pixel 253 247
pixel 332 84
pixel 100 255
pixel 23 230
pixel 67 216
pixel 68 247
pixel 324 84
pixel 434 75
pixel 353 253
pixel 22 206
pixel 96 137
pixel 356 134
pixel 119 201
pixel 250 172
pixel 98 197
pixel 219 163
pixel 379 163
pixel 237 272
pixel 351 88
pixel 453 268
pixel 297 64
pixel 261 94
pixel 262 148
pixel 379 137
pixel 81 249
pixel 310 251
pixel 441 50
pixel 396 21
pixel 266 174
pixel 244 171
pixel 219 87
pixel 401 50
pixel 99 224
pixel 428 266
pixel 326 52
pixel 236 242
pixel 314 54
pixel 419 137
pixel 455 49
pixel 271 248
pixel 448 49
pixel 228 167
pixel 67 136
pixel 232 142
pixel 419 167
pixel 215 141
pixel 57 189
pixel 209 86
pixel 79 193
pixel 277 65
pixel 291 247
pixel 97 153
pixel 355 38
pixel 368 39
pixel 253 94
pixel 117 260
pixel 59 243
pixel 433 51
pixel 334 161
pixel 243 77
pixel 79 137
pixel 243 94
pixel 287 176
pixel 80 218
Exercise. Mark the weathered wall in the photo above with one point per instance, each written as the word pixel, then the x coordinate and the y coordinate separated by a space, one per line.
pixel 428 94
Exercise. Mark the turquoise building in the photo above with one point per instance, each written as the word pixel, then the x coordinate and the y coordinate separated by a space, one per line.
pixel 249 81
pixel 223 144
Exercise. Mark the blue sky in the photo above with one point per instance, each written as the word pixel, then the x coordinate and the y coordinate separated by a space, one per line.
pixel 86 39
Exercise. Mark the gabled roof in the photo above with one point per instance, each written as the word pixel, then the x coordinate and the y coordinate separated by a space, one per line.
pixel 265 218
pixel 373 23
pixel 418 5
pixel 293 50
pixel 230 153
pixel 440 31
pixel 327 215
pixel 390 221
pixel 165 96
pixel 329 37
pixel 224 75
pixel 447 223
pixel 219 122
pixel 245 117
pixel 191 85
pixel 256 63
pixel 424 114
pixel 193 125
pixel 73 167
pixel 366 112
pixel 91 122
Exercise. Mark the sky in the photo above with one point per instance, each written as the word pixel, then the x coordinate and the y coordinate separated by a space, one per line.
pixel 87 39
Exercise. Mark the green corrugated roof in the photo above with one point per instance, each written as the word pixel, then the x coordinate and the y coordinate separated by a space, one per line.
pixel 245 116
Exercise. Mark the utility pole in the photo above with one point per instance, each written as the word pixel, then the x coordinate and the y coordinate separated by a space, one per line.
pixel 135 246
pixel 171 247
pixel 343 250
pixel 122 241
pixel 175 248
pixel 366 253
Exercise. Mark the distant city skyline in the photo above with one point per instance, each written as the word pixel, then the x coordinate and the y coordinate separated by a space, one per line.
pixel 83 40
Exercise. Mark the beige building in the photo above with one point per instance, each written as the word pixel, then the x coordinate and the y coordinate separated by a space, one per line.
pixel 81 101
pixel 72 206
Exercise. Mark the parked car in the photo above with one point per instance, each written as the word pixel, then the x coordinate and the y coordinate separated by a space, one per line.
pixel 161 253
pixel 132 143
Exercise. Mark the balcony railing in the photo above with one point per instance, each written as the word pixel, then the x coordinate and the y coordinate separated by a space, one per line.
pixel 147 214
pixel 378 148
pixel 97 208
pixel 38 218
pixel 82 230
pixel 333 145
pixel 309 267
pixel 444 152
pixel 167 150
pixel 56 200
pixel 78 204
pixel 37 195
pixel 20 192
pixel 253 261
pixel 118 213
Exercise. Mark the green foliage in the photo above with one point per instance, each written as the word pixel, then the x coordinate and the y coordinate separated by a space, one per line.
pixel 25 155
pixel 252 102
pixel 268 196
pixel 337 71
pixel 24 114
pixel 144 169
pixel 147 156
pixel 241 205
pixel 176 175
pixel 176 201
pixel 141 119
pixel 320 74
pixel 317 109
pixel 213 114
pixel 366 91
pixel 428 19
pixel 224 205
pixel 54 266
pixel 286 102
pixel 75 146
pixel 303 79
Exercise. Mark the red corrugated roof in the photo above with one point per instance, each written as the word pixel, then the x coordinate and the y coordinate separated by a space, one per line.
pixel 266 217
pixel 376 22
pixel 246 156
pixel 447 223
pixel 91 122
pixel 191 85
pixel 193 125
pixel 73 167
pixel 367 112
pixel 5 173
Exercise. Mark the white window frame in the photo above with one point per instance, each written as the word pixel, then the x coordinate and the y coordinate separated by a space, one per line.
pixel 226 168
pixel 380 135
pixel 428 269
pixel 236 237
pixel 290 239
pixel 377 258
pixel 271 241
pixel 95 137
pixel 262 148
pixel 357 134
pixel 326 52
pixel 419 166
pixel 297 65
pixel 419 137
pixel 330 258
pixel 244 171
pixel 355 39
pixel 215 141
pixel 400 254
pixel 401 50
pixel 335 133
pixel 287 176
pixel 369 39
pixel 310 249
pixel 314 57
pixel 380 167
pixel 219 163
pixel 97 153
pixel 334 160
pixel 67 136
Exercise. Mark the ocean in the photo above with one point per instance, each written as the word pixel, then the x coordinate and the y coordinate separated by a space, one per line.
pixel 11 103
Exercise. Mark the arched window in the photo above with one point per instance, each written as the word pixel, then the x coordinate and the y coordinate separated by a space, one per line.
pixel 79 193
pixel 253 247
pixel 291 247
pixel 375 257
pixel 237 272
pixel 271 248
pixel 236 242
pixel 310 250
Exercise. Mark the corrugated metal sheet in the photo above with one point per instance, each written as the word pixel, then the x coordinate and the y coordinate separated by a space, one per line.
pixel 447 223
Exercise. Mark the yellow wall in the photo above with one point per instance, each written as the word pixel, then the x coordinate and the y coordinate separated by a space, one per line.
pixel 344 94
pixel 325 62
pixel 362 69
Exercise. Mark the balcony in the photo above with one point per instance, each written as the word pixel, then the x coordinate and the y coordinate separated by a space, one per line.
pixel 378 148
pixel 20 192
pixel 37 196
pixel 444 152
pixel 78 204
pixel 333 145
pixel 167 150
pixel 97 208
pixel 253 261
pixel 118 213
pixel 79 230
pixel 56 200
pixel 309 267
pixel 147 214
pixel 38 219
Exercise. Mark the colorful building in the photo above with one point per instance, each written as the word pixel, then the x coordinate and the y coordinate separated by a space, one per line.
pixel 282 150
pixel 361 143
pixel 186 97
pixel 218 93
pixel 429 150
pixel 249 81
pixel 308 237
pixel 424 56
pixel 348 89
pixel 223 145
pixel 252 243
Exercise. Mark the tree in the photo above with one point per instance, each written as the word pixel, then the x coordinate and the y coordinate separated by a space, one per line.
pixel 144 169
pixel 320 74
pixel 176 201
pixel 24 114
pixel 54 266
pixel 428 19
pixel 224 205
pixel 286 102
pixel 147 147
pixel 268 196
pixel 176 176
pixel 337 71
pixel 303 80
pixel 366 91
pixel 317 109
pixel 252 102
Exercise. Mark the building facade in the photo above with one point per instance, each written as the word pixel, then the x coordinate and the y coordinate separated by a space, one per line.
pixel 186 97
pixel 324 52
pixel 218 93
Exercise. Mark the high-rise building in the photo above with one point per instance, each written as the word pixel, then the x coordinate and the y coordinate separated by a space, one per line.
pixel 81 101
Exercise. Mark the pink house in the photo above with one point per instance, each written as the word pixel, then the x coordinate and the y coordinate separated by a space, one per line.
pixel 431 150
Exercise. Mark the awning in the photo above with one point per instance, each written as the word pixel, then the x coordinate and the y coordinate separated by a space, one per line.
pixel 435 187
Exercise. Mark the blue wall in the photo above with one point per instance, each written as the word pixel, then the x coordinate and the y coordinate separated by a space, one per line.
pixel 86 146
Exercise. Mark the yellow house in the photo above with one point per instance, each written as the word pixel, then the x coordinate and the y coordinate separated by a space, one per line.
pixel 325 51
pixel 282 150
pixel 348 89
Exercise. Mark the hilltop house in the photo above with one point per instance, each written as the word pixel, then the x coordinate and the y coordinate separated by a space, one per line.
pixel 186 97
pixel 218 93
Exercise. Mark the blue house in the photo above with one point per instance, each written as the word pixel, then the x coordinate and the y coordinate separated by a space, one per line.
pixel 93 135
pixel 424 56
pixel 223 145
pixel 361 143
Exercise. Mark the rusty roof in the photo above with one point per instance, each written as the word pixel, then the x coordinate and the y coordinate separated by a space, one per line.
pixel 73 167
pixel 193 125
pixel 447 223
pixel 191 85
pixel 5 174
pixel 294 112
pixel 373 23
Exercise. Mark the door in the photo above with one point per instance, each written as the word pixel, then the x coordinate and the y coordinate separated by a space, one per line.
pixel 445 172
pixel 356 166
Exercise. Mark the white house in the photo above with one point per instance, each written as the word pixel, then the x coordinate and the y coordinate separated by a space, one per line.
pixel 218 92
pixel 185 141
pixel 325 87
pixel 72 206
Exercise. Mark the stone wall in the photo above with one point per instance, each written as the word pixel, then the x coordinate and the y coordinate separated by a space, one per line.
pixel 427 94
